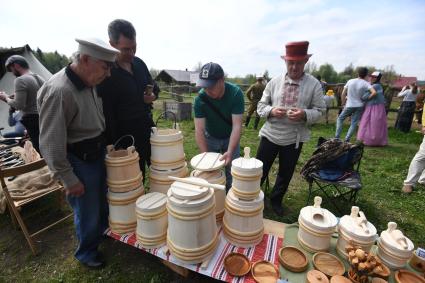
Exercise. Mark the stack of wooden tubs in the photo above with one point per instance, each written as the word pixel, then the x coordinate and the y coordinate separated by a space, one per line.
pixel 243 217
pixel 125 183
pixel 208 166
pixel 167 158
pixel 192 235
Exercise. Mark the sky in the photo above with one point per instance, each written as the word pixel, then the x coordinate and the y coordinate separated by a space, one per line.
pixel 244 37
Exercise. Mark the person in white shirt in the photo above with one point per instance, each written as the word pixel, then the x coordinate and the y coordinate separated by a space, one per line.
pixel 352 94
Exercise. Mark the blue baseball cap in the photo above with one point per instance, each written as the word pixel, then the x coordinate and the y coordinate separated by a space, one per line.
pixel 209 75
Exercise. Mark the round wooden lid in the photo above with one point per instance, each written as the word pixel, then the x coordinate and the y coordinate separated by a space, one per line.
pixel 328 264
pixel 151 201
pixel 185 191
pixel 246 163
pixel 357 226
pixel 207 161
pixel 264 271
pixel 405 276
pixel 315 276
pixel 340 279
pixel 293 259
pixel 317 218
pixel 237 264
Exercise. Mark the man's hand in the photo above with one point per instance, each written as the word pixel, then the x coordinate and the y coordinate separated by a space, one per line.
pixel 3 96
pixel 423 130
pixel 278 112
pixel 148 99
pixel 296 114
pixel 76 190
pixel 227 157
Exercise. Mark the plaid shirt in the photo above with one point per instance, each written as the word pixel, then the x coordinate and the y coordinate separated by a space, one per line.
pixel 290 92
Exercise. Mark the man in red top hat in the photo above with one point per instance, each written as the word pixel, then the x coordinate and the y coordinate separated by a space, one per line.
pixel 290 102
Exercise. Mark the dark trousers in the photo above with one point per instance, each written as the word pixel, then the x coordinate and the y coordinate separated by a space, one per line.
pixel 30 122
pixel 288 157
pixel 91 209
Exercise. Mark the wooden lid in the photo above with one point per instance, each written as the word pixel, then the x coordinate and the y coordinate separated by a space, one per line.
pixel 210 176
pixel 245 204
pixel 188 195
pixel 151 202
pixel 405 276
pixel 264 272
pixel 318 219
pixel 293 259
pixel 357 226
pixel 247 164
pixel 340 279
pixel 207 161
pixel 394 240
pixel 237 264
pixel 315 276
pixel 328 264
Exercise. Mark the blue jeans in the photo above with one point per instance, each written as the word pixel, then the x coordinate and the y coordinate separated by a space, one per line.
pixel 91 209
pixel 355 113
pixel 220 146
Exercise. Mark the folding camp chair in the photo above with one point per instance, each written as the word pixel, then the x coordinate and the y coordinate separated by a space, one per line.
pixel 346 188
pixel 15 206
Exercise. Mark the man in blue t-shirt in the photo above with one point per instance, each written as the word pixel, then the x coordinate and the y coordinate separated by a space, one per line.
pixel 218 115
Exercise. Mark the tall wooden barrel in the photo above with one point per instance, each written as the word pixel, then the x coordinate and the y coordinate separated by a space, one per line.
pixel 192 231
pixel 166 148
pixel 152 221
pixel 159 181
pixel 122 210
pixel 123 170
pixel 247 172
pixel 214 177
pixel 243 220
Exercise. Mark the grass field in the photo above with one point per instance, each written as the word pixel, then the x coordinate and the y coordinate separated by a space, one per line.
pixel 382 169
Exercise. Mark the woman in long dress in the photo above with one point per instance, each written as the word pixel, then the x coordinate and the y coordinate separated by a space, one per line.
pixel 407 108
pixel 373 124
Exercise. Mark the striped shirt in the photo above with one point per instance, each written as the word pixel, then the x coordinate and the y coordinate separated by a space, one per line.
pixel 282 131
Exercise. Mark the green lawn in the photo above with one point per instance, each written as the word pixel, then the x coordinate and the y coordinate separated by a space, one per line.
pixel 382 169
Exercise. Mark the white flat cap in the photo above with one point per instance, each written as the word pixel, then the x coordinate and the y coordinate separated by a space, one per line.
pixel 97 48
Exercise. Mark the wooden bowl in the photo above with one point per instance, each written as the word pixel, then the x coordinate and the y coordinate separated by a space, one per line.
pixel 417 262
pixel 293 259
pixel 264 272
pixel 378 280
pixel 328 264
pixel 315 276
pixel 237 264
pixel 340 279
pixel 405 276
pixel 385 274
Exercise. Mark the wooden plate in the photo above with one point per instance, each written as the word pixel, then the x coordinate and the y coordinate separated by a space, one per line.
pixel 378 280
pixel 264 271
pixel 328 264
pixel 340 279
pixel 207 161
pixel 405 276
pixel 385 273
pixel 315 276
pixel 293 259
pixel 237 264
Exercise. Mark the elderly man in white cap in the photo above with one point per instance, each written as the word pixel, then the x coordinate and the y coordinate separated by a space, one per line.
pixel 72 142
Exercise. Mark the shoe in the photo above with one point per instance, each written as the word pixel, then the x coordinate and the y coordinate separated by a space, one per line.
pixel 407 189
pixel 94 264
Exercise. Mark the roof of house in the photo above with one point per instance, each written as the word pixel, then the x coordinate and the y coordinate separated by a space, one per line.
pixel 179 75
pixel 400 82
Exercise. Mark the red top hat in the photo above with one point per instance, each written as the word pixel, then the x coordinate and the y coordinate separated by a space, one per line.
pixel 296 51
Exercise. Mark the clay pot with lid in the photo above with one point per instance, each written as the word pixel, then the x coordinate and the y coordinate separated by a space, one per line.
pixel 394 249
pixel 354 229
pixel 152 220
pixel 247 172
pixel 192 231
pixel 316 226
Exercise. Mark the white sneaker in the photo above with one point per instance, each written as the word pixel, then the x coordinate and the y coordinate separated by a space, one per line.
pixel 407 189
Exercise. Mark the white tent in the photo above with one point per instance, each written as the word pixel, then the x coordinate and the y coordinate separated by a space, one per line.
pixel 7 78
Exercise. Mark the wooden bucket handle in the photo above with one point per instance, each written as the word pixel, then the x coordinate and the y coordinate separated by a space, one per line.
pixel 114 147
pixel 162 115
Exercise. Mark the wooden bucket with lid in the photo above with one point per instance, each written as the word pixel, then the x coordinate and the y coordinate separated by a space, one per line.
pixel 192 234
pixel 354 229
pixel 122 167
pixel 316 227
pixel 214 177
pixel 152 220
pixel 243 220
pixel 159 181
pixel 122 210
pixel 394 249
pixel 247 172
pixel 166 145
